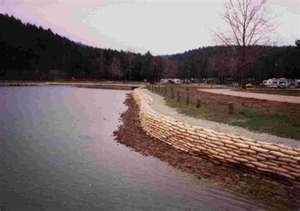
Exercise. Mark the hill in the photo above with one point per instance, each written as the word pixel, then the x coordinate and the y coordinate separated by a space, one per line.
pixel 220 62
pixel 29 52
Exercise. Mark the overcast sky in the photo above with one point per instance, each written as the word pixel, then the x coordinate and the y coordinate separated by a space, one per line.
pixel 160 26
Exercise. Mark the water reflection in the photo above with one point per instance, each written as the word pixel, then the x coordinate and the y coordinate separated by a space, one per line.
pixel 57 153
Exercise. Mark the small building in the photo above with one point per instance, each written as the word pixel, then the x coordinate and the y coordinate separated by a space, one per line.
pixel 170 80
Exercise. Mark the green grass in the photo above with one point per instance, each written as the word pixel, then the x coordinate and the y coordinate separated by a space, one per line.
pixel 283 125
pixel 280 125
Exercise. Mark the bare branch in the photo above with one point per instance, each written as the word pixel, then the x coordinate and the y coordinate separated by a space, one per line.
pixel 248 26
pixel 245 19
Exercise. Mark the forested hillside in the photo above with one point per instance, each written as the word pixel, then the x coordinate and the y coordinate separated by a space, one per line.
pixel 29 52
pixel 220 62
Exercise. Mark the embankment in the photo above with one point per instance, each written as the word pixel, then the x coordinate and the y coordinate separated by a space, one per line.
pixel 273 159
pixel 249 184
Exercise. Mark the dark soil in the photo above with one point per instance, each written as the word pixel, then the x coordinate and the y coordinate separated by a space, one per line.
pixel 272 193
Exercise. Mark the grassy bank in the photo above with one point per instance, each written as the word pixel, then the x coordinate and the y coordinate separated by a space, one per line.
pixel 281 119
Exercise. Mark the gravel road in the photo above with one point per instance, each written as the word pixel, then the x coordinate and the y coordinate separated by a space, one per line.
pixel 261 96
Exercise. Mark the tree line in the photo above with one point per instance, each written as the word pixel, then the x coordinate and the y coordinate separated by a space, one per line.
pixel 29 52
pixel 222 63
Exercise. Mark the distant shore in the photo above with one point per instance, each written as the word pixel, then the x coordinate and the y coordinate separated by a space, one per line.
pixel 86 84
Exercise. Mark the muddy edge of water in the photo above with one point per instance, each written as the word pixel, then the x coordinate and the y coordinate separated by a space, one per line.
pixel 261 188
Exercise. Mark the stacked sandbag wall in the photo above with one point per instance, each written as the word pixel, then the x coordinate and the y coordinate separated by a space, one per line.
pixel 261 156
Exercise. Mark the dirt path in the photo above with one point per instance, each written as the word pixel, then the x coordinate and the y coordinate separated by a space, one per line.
pixel 160 106
pixel 261 96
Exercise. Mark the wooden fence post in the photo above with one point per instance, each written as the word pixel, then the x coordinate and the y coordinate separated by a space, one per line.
pixel 198 104
pixel 178 96
pixel 230 108
pixel 172 93
pixel 187 96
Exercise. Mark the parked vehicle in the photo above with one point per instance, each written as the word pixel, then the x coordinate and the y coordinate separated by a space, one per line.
pixel 283 85
pixel 171 81
pixel 292 84
pixel 267 83
pixel 275 83
pixel 271 83
pixel 297 83
pixel 249 85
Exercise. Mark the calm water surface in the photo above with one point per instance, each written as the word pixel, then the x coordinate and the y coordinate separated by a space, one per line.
pixel 57 152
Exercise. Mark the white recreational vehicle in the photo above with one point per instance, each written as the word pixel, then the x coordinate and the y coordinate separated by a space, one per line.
pixel 281 83
pixel 170 80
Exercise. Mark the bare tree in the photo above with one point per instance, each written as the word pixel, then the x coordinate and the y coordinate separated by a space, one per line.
pixel 248 26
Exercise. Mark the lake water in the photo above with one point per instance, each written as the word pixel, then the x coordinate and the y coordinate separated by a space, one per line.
pixel 57 152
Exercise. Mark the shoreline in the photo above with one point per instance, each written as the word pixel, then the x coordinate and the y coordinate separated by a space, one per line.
pixel 255 186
